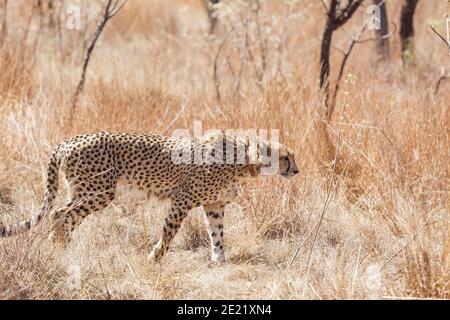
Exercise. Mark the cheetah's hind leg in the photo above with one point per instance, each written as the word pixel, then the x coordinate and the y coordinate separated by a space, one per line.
pixel 57 235
pixel 65 220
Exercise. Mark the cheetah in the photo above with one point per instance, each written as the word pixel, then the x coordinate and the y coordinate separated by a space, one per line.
pixel 163 167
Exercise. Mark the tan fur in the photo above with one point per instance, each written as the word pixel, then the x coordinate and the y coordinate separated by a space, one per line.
pixel 94 164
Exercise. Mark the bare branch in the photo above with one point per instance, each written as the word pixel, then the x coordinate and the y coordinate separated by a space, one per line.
pixel 338 49
pixel 447 42
pixel 336 18
pixel 354 41
pixel 386 36
pixel 261 40
pixel 216 63
pixel 111 9
pixel 116 8
pixel 324 5
pixel 438 83
pixel 413 238
pixel 347 12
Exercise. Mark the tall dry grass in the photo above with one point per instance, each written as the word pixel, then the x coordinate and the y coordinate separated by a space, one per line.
pixel 386 231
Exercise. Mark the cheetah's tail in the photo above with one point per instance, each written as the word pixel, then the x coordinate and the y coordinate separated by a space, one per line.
pixel 52 188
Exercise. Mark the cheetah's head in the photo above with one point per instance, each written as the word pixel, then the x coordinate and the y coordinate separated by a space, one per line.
pixel 287 166
pixel 272 156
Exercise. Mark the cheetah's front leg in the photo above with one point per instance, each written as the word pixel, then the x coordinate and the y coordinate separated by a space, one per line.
pixel 173 221
pixel 215 216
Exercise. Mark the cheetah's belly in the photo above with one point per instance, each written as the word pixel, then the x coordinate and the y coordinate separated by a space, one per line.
pixel 131 190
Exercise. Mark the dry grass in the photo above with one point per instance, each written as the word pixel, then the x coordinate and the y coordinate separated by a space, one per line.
pixel 385 233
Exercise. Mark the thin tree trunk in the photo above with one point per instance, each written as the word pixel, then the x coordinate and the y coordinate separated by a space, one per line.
pixel 325 61
pixel 383 46
pixel 337 16
pixel 407 32
pixel 327 37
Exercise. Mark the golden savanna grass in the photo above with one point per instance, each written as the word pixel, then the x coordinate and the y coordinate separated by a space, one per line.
pixel 385 232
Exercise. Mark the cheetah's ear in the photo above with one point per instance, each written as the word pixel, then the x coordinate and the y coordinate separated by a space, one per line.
pixel 253 159
pixel 254 169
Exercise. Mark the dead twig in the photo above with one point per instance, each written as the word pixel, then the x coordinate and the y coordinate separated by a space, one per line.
pixel 382 37
pixel 331 190
pixel 442 77
pixel 337 17
pixel 243 57
pixel 111 9
pixel 216 65
pixel 414 237
pixel 446 41
pixel 262 41
pixel 333 186
pixel 324 5
pixel 354 40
